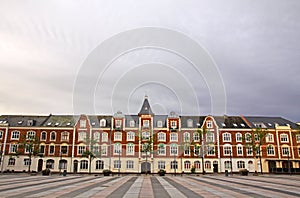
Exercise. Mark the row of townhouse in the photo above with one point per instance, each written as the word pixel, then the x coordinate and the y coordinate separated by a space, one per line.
pixel 147 143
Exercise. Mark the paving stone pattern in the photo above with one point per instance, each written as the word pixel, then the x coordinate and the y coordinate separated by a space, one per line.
pixel 147 186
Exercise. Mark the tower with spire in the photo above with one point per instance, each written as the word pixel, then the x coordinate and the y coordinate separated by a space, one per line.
pixel 146 109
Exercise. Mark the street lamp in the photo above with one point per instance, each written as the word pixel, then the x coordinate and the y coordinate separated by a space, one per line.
pixel 289 163
pixel 231 162
pixel 174 163
pixel 60 163
pixel 119 164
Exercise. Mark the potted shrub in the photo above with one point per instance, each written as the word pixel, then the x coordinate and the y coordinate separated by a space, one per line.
pixel 243 172
pixel 106 172
pixel 46 171
pixel 193 170
pixel 161 172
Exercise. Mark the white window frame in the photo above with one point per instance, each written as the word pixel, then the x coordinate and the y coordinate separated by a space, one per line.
pixel 209 124
pixel 104 137
pixel 82 123
pixel 173 137
pixel 226 137
pixel 238 137
pixel 129 164
pixel 118 136
pixel 130 136
pixel 130 149
pixel 161 136
pixel 81 149
pixel 284 138
pixel 15 135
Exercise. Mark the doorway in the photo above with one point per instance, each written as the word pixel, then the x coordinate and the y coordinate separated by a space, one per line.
pixel 145 167
pixel 40 165
pixel 215 166
pixel 75 168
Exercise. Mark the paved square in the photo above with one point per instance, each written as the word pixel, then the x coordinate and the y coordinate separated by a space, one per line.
pixel 150 186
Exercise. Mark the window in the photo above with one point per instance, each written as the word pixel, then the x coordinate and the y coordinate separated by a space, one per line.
pixel 117 149
pixel 186 137
pixel 207 165
pixel 42 149
pixel 132 123
pixel 197 148
pixel 99 164
pixel 240 164
pixel 174 165
pixel 96 137
pixel 285 151
pixel 173 149
pixel 161 136
pixel 28 148
pixel 187 165
pixel 145 136
pixel 50 164
pixel 238 137
pixel 129 164
pixel 239 150
pixel 161 165
pixel 209 124
pixel 146 149
pixel 1 134
pixel 173 137
pixel 227 164
pixel 270 137
pixel 130 149
pixel 118 123
pixel 249 150
pixel 63 164
pixel 284 138
pixel 81 150
pixel 117 164
pixel 146 123
pixel 104 150
pixel 27 162
pixel 161 149
pixel 30 135
pixel 189 123
pixel 226 137
pixel 197 165
pixel 210 137
pixel 118 136
pixel 173 124
pixel 159 124
pixel 256 137
pixel 84 164
pixel 130 136
pixel 102 123
pixel 186 150
pixel 210 149
pixel 227 150
pixel 81 136
pixel 105 137
pixel 270 150
pixel 82 123
pixel 15 135
pixel 95 148
pixel 64 150
pixel 13 148
pixel 43 136
pixel 298 138
pixel 65 136
pixel 248 137
pixel 196 137
pixel 11 161
pixel 52 136
pixel 51 150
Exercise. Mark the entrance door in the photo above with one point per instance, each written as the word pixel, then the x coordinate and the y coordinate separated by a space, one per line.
pixel 75 168
pixel 215 164
pixel 40 165
pixel 272 166
pixel 145 167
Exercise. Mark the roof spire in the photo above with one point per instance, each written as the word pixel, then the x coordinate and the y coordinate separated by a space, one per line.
pixel 146 109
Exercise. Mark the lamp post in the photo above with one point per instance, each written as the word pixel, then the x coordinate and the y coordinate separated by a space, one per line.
pixel 1 160
pixel 119 164
pixel 231 162
pixel 174 163
pixel 289 163
pixel 60 163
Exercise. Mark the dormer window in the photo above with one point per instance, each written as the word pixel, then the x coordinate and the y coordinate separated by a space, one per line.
pixel 173 124
pixel 118 123
pixel 159 123
pixel 132 123
pixel 189 123
pixel 102 123
pixel 82 123
pixel 209 124
pixel 146 123
pixel 30 122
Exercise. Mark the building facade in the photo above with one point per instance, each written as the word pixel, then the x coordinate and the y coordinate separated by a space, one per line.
pixel 147 143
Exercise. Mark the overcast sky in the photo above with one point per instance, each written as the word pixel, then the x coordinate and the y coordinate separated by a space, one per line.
pixel 47 46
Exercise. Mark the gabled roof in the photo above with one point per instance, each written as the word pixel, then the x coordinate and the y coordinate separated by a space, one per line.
pixel 23 120
pixel 231 122
pixel 146 109
pixel 269 122
pixel 196 121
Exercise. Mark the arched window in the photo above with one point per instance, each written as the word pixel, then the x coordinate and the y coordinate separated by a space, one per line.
pixel 161 136
pixel 196 136
pixel 96 136
pixel 130 149
pixel 161 149
pixel 187 165
pixel 186 136
pixel 189 123
pixel 103 123
pixel 117 136
pixel 227 149
pixel 207 165
pixel 240 164
pixel 43 135
pixel 270 150
pixel 130 136
pixel 15 135
pixel 99 164
pixel 30 135
pixel 52 136
pixel 227 164
pixel 174 165
pixel 226 137
pixel 173 149
pixel 248 137
pixel 238 137
pixel 239 149
pixel 63 164
pixel 50 164
pixel 65 136
pixel 82 136
pixel 104 137
pixel 84 164
pixel 197 165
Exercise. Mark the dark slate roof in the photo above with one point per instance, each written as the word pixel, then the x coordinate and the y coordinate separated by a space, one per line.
pixel 61 121
pixel 106 117
pixel 23 120
pixel 196 120
pixel 269 122
pixel 146 109
pixel 163 118
pixel 128 118
pixel 231 122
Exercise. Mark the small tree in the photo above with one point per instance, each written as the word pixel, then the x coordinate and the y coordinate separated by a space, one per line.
pixel 90 155
pixel 31 145
pixel 147 146
pixel 199 148
pixel 256 141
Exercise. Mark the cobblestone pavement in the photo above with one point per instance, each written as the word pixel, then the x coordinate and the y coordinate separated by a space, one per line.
pixel 150 186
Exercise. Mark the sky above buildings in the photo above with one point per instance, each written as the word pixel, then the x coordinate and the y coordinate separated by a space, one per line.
pixel 191 57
